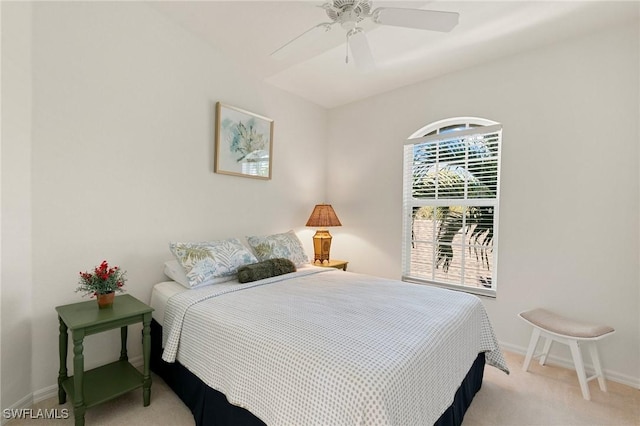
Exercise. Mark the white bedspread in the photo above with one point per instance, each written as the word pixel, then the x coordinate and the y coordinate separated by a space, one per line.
pixel 323 346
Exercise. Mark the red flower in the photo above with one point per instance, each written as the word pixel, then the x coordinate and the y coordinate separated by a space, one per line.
pixel 104 279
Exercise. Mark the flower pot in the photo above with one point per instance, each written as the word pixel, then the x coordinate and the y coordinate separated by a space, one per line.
pixel 105 300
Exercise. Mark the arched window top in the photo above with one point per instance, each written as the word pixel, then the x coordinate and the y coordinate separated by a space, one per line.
pixel 451 125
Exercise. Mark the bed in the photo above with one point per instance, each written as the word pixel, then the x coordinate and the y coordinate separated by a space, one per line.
pixel 322 346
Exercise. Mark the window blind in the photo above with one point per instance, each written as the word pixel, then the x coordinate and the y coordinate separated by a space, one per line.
pixel 450 206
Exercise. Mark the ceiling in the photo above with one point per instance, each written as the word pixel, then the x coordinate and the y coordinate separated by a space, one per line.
pixel 249 31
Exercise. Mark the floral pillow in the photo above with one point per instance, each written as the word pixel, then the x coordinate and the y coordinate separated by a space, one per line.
pixel 175 271
pixel 207 262
pixel 286 245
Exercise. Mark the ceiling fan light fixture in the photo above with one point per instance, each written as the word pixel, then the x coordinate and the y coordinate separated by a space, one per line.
pixel 349 13
pixel 349 20
pixel 338 8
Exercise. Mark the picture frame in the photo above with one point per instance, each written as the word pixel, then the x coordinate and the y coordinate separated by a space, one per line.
pixel 244 143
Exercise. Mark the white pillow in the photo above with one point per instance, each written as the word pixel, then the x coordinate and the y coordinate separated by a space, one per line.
pixel 173 270
pixel 210 262
pixel 286 245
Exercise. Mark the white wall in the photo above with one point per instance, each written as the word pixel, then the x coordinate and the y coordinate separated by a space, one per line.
pixel 121 162
pixel 569 212
pixel 16 275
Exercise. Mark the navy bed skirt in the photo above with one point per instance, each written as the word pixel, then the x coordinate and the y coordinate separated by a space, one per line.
pixel 211 408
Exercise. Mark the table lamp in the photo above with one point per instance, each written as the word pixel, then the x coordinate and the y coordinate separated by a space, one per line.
pixel 322 216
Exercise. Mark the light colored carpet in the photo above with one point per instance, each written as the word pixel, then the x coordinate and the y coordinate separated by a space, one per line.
pixel 543 396
pixel 549 395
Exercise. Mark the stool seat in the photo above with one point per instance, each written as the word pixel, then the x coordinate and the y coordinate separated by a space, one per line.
pixel 564 326
pixel 556 328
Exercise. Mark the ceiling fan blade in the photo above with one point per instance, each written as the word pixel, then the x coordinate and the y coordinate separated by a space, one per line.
pixel 361 51
pixel 304 39
pixel 416 18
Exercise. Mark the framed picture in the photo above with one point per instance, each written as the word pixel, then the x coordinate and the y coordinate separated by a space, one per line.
pixel 244 143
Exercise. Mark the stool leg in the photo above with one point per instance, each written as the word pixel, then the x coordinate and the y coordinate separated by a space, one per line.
pixel 593 349
pixel 545 351
pixel 579 364
pixel 532 347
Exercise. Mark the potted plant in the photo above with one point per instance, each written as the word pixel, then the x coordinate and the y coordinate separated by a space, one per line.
pixel 103 283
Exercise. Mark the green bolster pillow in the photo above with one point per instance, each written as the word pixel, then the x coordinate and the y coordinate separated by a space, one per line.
pixel 265 269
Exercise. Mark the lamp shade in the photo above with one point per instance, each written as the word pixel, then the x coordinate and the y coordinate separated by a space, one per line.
pixel 322 216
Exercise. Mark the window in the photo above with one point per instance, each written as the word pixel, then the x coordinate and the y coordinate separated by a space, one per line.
pixel 450 204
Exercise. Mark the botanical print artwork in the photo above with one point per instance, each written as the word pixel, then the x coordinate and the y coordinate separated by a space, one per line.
pixel 244 140
pixel 243 143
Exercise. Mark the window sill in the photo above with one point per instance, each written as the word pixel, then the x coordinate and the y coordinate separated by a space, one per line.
pixel 486 292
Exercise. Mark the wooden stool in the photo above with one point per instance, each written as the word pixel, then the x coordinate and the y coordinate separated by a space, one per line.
pixel 556 328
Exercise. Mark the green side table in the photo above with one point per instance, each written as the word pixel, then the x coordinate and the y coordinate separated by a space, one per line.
pixel 101 384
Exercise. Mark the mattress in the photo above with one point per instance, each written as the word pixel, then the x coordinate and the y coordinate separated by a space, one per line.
pixel 160 295
pixel 341 347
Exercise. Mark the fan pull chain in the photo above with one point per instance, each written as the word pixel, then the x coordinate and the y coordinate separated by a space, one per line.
pixel 346 58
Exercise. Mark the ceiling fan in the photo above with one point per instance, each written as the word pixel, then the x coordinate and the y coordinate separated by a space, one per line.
pixel 349 13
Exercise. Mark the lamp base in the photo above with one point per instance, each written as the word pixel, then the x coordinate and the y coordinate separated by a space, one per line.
pixel 321 246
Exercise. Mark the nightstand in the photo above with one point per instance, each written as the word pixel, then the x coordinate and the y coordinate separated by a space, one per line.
pixel 109 381
pixel 338 264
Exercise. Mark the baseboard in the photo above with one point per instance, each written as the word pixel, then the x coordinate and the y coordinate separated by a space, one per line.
pixel 45 393
pixel 52 392
pixel 23 403
pixel 565 362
